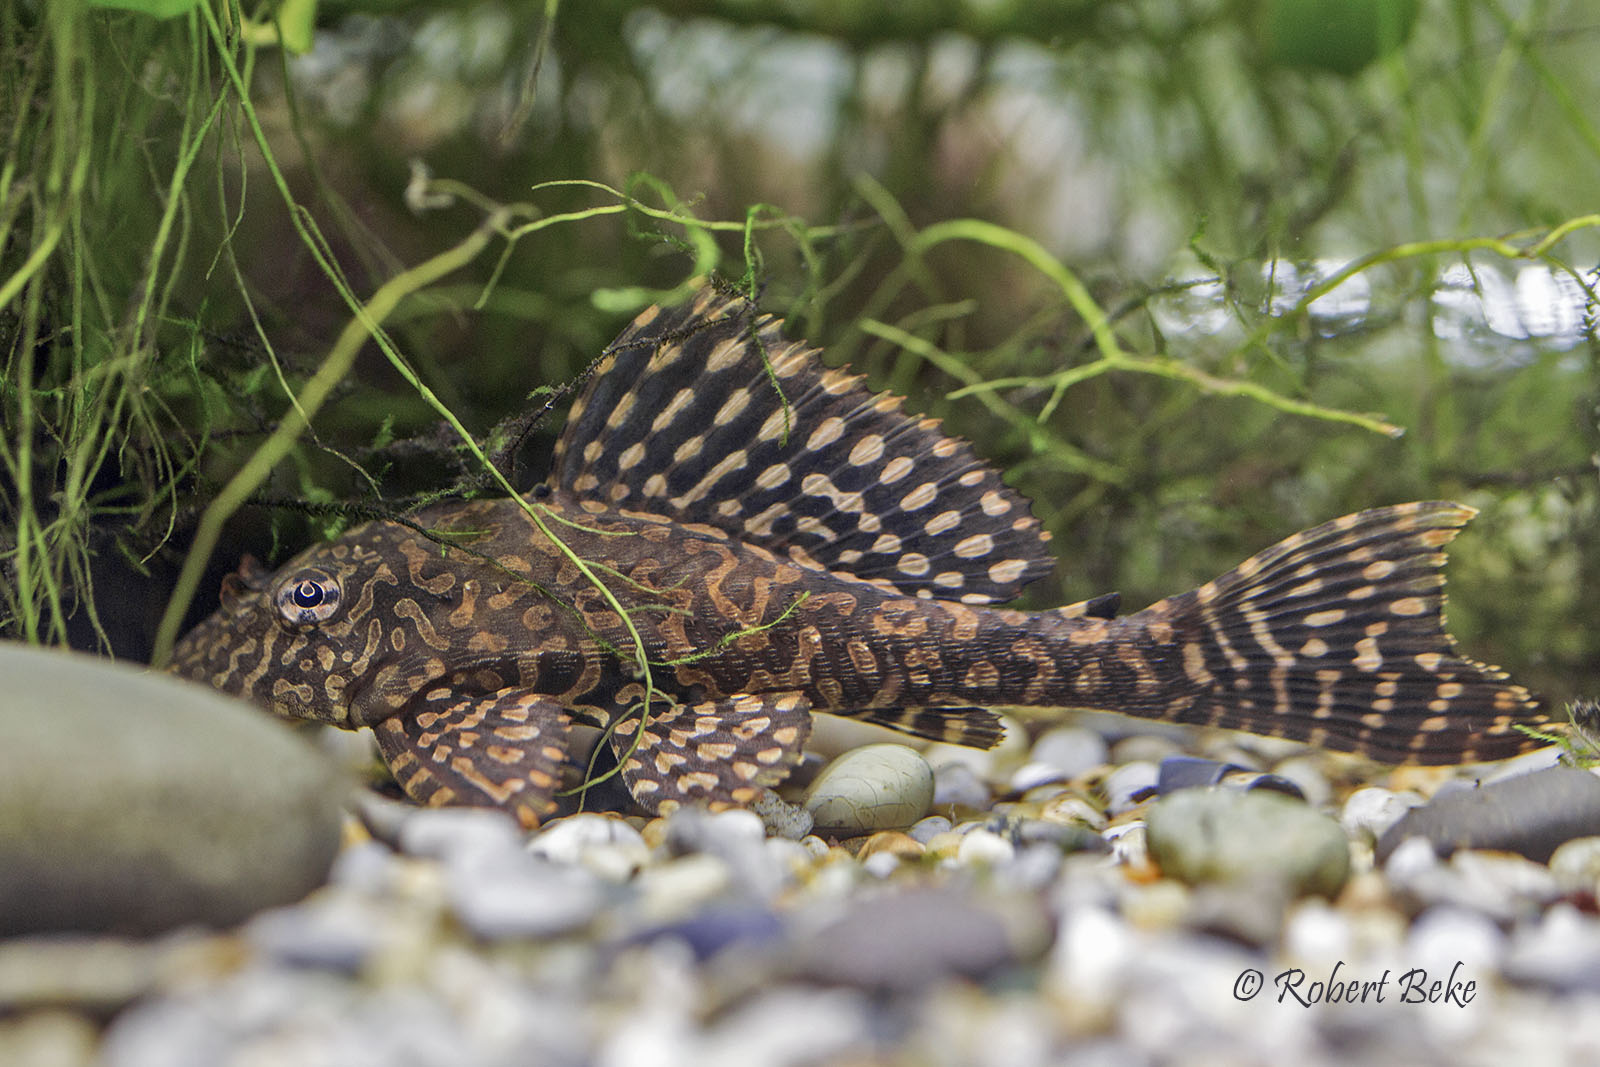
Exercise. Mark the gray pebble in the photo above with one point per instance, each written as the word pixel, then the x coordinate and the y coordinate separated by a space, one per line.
pixel 1561 951
pixel 1130 785
pixel 1219 835
pixel 1062 836
pixel 1072 750
pixel 450 834
pixel 955 784
pixel 1501 886
pixel 336 933
pixel 738 838
pixel 908 940
pixel 1249 913
pixel 876 787
pixel 135 802
pixel 925 830
pixel 1531 814
pixel 516 895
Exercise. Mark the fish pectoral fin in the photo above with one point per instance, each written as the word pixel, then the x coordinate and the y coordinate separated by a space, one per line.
pixel 502 750
pixel 719 753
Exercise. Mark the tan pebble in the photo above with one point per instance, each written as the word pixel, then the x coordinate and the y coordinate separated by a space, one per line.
pixel 1157 905
pixel 893 842
pixel 944 845
pixel 654 832
pixel 1073 811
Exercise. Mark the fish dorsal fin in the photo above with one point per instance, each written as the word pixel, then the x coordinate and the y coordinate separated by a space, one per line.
pixel 684 418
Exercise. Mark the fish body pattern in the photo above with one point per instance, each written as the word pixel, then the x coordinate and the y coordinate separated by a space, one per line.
pixel 775 540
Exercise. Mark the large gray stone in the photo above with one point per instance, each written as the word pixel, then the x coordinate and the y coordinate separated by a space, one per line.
pixel 1219 835
pixel 1531 814
pixel 133 802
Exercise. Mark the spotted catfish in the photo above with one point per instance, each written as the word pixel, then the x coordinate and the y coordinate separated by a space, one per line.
pixel 776 540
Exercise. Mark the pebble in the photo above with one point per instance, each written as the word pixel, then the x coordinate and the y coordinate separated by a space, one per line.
pixel 135 802
pixel 517 895
pixel 604 844
pixel 1071 750
pixel 1369 812
pixel 924 830
pixel 1225 836
pixel 878 787
pixel 1033 775
pixel 1073 811
pixel 906 940
pixel 1530 814
pixel 336 932
pixel 957 785
pixel 893 843
pixel 1131 785
pixel 984 848
pixel 1561 951
pixel 1575 866
pixel 47 1039
pixel 1501 886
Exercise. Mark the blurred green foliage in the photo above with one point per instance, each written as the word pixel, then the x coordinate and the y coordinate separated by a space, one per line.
pixel 1185 289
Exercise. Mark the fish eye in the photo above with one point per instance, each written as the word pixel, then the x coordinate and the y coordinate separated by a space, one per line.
pixel 308 597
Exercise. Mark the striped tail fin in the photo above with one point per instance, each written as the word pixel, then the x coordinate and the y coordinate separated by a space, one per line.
pixel 1336 636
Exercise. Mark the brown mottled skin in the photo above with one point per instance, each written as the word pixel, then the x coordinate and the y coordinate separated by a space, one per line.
pixel 472 651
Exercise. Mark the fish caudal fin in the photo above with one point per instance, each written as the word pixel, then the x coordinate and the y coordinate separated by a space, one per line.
pixel 1336 636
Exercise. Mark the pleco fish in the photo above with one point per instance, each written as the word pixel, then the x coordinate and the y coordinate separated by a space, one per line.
pixel 785 542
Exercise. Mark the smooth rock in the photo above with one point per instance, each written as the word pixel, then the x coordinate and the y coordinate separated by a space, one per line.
pixel 985 848
pixel 1072 750
pixel 1370 811
pixel 333 932
pixel 1531 814
pixel 516 895
pixel 98 974
pixel 902 941
pixel 1200 836
pixel 1576 866
pixel 958 785
pixel 604 844
pixel 737 837
pixel 135 802
pixel 1130 785
pixel 719 927
pixel 462 833
pixel 48 1039
pixel 1561 951
pixel 892 842
pixel 1502 886
pixel 1073 811
pixel 878 787
pixel 1033 774
pixel 925 830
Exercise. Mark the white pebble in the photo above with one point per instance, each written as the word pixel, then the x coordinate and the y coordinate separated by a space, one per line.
pixel 1369 812
pixel 985 848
